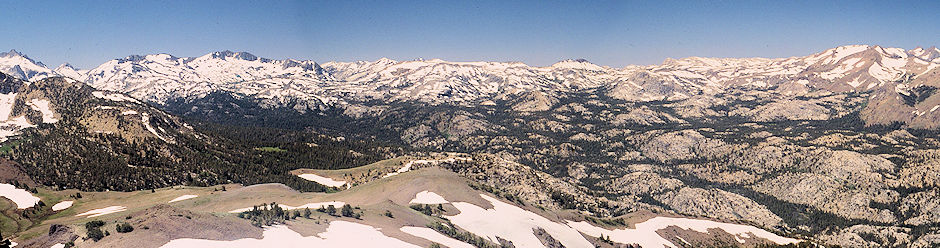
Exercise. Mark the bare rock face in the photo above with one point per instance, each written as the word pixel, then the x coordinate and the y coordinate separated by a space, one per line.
pixel 829 194
pixel 789 110
pixel 929 240
pixel 643 183
pixel 719 204
pixel 533 101
pixel 644 116
pixel 922 206
pixel 921 170
pixel 679 145
pixel 869 236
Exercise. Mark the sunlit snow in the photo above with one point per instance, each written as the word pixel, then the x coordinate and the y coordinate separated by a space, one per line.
pixel 103 211
pixel 22 198
pixel 183 197
pixel 62 205
pixel 427 197
pixel 322 180
pixel 434 236
pixel 645 233
pixel 338 234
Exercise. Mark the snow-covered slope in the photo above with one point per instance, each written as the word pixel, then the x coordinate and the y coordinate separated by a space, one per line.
pixel 48 101
pixel 305 85
pixel 19 66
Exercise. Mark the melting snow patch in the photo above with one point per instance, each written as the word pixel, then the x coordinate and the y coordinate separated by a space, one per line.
pixel 183 197
pixel 434 236
pixel 408 165
pixel 6 105
pixel 336 204
pixel 62 205
pixel 22 198
pixel 427 197
pixel 103 211
pixel 322 180
pixel 113 96
pixel 145 118
pixel 645 232
pixel 58 245
pixel 512 223
pixel 42 106
pixel 338 234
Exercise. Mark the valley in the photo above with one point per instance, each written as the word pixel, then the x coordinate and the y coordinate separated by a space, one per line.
pixel 837 148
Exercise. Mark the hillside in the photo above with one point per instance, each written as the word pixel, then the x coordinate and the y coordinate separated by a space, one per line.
pixel 66 135
pixel 837 148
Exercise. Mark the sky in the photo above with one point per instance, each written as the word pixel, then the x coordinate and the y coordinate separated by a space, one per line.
pixel 539 33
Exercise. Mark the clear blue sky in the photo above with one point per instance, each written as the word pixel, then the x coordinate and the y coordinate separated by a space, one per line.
pixel 614 33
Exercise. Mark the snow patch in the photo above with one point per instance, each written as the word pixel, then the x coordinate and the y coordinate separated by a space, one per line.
pixel 427 197
pixel 434 236
pixel 62 205
pixel 512 223
pixel 145 118
pixel 645 233
pixel 6 105
pixel 338 234
pixel 103 211
pixel 22 198
pixel 183 197
pixel 42 105
pixel 113 96
pixel 408 165
pixel 336 204
pixel 322 180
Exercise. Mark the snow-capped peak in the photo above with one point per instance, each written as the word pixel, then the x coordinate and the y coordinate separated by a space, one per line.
pixel 577 64
pixel 69 71
pixel 20 66
pixel 225 55
pixel 66 66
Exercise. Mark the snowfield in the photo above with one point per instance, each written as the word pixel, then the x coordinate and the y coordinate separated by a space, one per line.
pixel 103 211
pixel 645 232
pixel 42 105
pixel 316 205
pixel 426 197
pixel 183 197
pixel 22 198
pixel 512 223
pixel 62 205
pixel 116 97
pixel 338 234
pixel 434 236
pixel 322 180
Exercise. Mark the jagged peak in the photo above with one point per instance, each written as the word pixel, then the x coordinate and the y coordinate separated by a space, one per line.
pixel 12 53
pixel 65 66
pixel 305 64
pixel 237 55
pixel 385 61
pixel 16 54
pixel 582 64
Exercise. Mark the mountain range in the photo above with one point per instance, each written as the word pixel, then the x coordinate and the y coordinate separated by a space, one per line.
pixel 902 82
pixel 834 148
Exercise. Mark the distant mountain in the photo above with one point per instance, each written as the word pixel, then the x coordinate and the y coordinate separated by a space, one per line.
pixel 66 134
pixel 891 74
pixel 22 67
